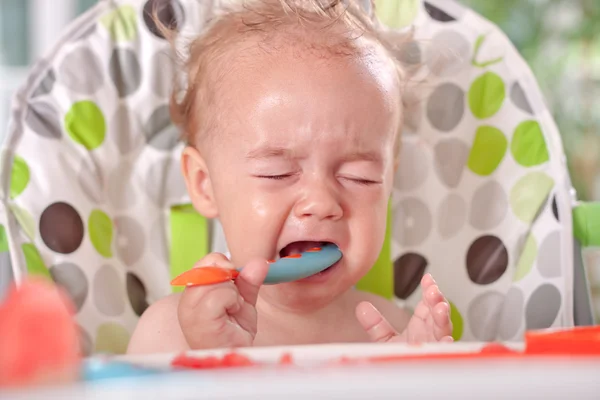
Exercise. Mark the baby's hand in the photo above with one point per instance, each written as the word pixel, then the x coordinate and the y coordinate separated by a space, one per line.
pixel 429 323
pixel 222 315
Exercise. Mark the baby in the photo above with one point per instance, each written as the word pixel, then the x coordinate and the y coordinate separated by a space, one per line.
pixel 292 114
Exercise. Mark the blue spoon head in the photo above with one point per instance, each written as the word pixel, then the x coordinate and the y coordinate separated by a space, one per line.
pixel 289 269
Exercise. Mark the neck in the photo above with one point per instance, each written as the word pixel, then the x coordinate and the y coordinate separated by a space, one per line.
pixel 322 324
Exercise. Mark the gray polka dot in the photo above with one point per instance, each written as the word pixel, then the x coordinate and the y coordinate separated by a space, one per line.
pixel 448 53
pixel 42 118
pixel 446 106
pixel 162 74
pixel 81 71
pixel 85 342
pixel 120 188
pixel 410 53
pixel 45 85
pixel 413 167
pixel 136 292
pixel 130 240
pixel 450 159
pixel 125 71
pixel 549 256
pixel 542 307
pixel 489 206
pixel 164 182
pixel 518 97
pixel 160 132
pixel 72 279
pixel 125 130
pixel 412 222
pixel 413 112
pixel 451 216
pixel 158 240
pixel 484 315
pixel 91 180
pixel 108 291
pixel 511 318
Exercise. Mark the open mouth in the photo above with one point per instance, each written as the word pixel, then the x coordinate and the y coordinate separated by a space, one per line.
pixel 299 247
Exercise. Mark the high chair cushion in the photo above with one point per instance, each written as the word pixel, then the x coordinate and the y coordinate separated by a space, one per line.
pixel 93 196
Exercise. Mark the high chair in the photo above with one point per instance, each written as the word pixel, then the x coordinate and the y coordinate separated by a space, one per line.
pixel 93 196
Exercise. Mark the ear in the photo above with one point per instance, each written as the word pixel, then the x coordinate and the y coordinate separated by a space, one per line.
pixel 198 182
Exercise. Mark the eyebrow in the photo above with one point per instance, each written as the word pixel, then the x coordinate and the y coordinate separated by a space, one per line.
pixel 268 152
pixel 274 152
pixel 364 156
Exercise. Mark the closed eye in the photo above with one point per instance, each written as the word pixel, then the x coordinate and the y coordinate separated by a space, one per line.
pixel 274 177
pixel 361 181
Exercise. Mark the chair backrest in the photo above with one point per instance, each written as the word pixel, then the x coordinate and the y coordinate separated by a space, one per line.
pixel 482 196
pixel 93 195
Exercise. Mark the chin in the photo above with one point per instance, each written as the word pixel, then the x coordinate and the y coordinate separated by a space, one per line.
pixel 314 292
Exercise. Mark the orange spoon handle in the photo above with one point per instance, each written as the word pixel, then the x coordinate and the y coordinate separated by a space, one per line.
pixel 205 276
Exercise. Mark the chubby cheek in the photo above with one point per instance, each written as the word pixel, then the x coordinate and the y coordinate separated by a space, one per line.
pixel 368 235
pixel 251 222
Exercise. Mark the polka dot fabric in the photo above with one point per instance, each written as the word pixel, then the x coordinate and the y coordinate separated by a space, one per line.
pixel 90 170
pixel 93 167
pixel 480 184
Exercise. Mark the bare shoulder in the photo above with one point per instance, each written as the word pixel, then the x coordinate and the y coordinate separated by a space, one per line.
pixel 397 316
pixel 158 329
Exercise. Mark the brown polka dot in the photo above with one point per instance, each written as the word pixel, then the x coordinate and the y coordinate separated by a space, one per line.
pixel 169 12
pixel 487 260
pixel 136 293
pixel 408 271
pixel 437 14
pixel 61 228
pixel 555 209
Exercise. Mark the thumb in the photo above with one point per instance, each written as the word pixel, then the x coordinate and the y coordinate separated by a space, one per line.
pixel 251 279
pixel 377 327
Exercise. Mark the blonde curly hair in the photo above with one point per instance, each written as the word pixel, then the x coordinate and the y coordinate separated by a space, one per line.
pixel 322 28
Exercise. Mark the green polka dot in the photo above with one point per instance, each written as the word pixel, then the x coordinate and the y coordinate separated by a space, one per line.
pixel 486 95
pixel 85 124
pixel 396 14
pixel 121 24
pixel 488 150
pixel 457 322
pixel 529 194
pixel 34 262
pixel 3 240
pixel 19 177
pixel 528 146
pixel 111 338
pixel 528 256
pixel 25 220
pixel 101 232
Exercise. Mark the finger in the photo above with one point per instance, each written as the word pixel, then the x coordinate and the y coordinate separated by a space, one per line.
pixel 210 302
pixel 447 339
pixel 433 296
pixel 442 325
pixel 427 281
pixel 251 279
pixel 377 327
pixel 422 311
pixel 214 260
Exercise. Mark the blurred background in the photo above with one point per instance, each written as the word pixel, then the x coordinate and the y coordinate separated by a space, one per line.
pixel 560 39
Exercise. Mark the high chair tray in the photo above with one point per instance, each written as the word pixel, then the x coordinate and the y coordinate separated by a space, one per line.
pixel 360 371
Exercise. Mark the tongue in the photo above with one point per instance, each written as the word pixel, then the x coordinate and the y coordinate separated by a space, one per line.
pixel 297 248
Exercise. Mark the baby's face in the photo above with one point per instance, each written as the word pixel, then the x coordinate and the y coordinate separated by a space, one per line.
pixel 305 154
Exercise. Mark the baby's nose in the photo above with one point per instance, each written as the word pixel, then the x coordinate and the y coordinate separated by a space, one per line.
pixel 319 202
